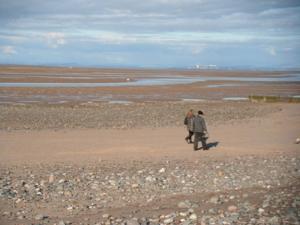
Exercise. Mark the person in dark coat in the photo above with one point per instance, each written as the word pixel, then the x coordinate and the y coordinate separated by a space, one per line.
pixel 188 121
pixel 200 131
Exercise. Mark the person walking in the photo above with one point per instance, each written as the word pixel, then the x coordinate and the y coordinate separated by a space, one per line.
pixel 188 121
pixel 200 131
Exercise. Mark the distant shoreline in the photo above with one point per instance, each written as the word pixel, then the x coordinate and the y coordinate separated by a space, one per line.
pixel 76 67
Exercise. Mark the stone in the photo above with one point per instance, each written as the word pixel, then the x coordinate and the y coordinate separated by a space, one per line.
pixel 168 220
pixel 61 181
pixel 135 185
pixel 21 217
pixel 193 216
pixel 184 204
pixel 6 213
pixel 162 170
pixel 150 179
pixel 183 214
pixel 61 222
pixel 187 222
pixel 51 179
pixel 40 217
pixel 214 200
pixel 131 222
pixel 105 216
pixel 232 208
pixel 274 220
pixel 261 211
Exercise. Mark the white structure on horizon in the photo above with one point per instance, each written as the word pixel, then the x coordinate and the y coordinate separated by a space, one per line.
pixel 210 66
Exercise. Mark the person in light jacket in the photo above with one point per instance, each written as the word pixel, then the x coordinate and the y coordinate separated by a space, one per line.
pixel 200 131
pixel 188 121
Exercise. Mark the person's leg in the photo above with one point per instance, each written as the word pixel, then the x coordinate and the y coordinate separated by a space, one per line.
pixel 196 140
pixel 190 135
pixel 187 137
pixel 203 141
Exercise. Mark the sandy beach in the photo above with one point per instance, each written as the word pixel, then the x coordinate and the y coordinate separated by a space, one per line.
pixel 126 162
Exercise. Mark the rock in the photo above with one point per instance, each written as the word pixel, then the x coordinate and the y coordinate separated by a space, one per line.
pixel 135 185
pixel 214 200
pixel 162 170
pixel 51 179
pixel 297 141
pixel 261 211
pixel 187 222
pixel 42 183
pixel 105 216
pixel 6 213
pixel 70 208
pixel 193 216
pixel 232 197
pixel 61 181
pixel 40 217
pixel 274 220
pixel 183 214
pixel 150 179
pixel 245 195
pixel 212 211
pixel 168 220
pixel 61 222
pixel 232 208
pixel 21 217
pixel 131 222
pixel 184 204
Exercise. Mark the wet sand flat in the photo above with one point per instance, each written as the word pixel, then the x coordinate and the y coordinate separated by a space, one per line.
pixel 122 84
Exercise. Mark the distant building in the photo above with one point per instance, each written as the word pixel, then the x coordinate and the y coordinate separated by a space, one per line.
pixel 209 67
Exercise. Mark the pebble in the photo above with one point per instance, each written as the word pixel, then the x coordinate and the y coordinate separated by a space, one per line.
pixel 40 217
pixel 131 222
pixel 261 211
pixel 34 117
pixel 105 216
pixel 193 216
pixel 135 185
pixel 184 204
pixel 82 190
pixel 274 220
pixel 61 222
pixel 214 200
pixel 232 208
pixel 51 178
pixel 162 170
pixel 168 220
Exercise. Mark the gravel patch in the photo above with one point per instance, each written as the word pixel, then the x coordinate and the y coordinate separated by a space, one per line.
pixel 244 190
pixel 122 116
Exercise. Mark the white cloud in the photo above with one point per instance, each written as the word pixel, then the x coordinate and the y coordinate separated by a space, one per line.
pixel 198 39
pixel 13 38
pixel 8 50
pixel 272 51
pixel 198 50
pixel 55 39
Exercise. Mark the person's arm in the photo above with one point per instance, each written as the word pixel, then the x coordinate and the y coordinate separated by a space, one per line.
pixel 193 125
pixel 204 125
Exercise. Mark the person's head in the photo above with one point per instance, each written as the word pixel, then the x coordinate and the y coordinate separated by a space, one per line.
pixel 190 113
pixel 200 113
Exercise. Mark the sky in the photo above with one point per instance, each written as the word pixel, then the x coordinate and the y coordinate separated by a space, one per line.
pixel 151 33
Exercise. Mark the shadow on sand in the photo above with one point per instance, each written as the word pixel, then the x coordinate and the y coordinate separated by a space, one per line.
pixel 210 145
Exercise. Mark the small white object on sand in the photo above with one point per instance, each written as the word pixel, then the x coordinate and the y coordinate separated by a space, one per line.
pixel 297 141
